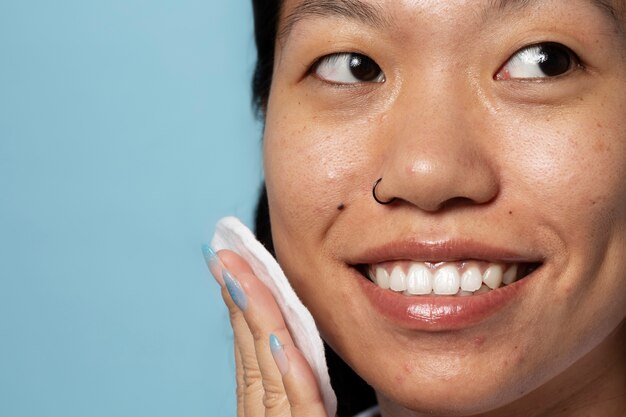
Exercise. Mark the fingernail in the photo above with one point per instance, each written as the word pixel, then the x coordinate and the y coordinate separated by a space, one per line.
pixel 234 289
pixel 278 352
pixel 213 262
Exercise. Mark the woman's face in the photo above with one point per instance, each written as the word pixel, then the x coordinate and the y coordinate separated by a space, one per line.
pixel 500 129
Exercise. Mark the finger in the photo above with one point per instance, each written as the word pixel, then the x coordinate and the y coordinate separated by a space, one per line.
pixel 240 380
pixel 264 319
pixel 249 384
pixel 260 312
pixel 298 378
pixel 247 373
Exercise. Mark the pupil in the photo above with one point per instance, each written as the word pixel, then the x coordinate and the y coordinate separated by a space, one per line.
pixel 363 68
pixel 554 60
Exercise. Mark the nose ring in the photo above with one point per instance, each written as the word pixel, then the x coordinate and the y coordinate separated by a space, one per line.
pixel 376 198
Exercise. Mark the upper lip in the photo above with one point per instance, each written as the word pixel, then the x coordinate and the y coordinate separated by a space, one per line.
pixel 447 250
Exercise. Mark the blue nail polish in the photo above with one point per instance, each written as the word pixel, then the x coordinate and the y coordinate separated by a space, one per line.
pixel 209 255
pixel 235 290
pixel 213 262
pixel 279 355
pixel 275 345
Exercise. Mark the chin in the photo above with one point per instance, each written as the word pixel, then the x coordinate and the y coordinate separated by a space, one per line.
pixel 454 397
pixel 451 387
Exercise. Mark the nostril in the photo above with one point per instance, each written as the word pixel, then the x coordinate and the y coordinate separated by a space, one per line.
pixel 456 202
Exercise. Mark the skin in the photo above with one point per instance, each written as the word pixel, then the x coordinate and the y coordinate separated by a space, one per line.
pixel 537 167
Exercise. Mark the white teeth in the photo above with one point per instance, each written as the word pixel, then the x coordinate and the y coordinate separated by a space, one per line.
pixel 419 280
pixel 447 280
pixel 382 278
pixel 493 276
pixel 482 290
pixel 472 279
pixel 397 280
pixel 510 275
pixel 461 278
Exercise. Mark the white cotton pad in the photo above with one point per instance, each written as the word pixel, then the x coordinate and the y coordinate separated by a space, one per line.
pixel 231 234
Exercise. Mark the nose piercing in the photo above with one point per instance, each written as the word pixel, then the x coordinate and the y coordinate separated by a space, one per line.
pixel 376 198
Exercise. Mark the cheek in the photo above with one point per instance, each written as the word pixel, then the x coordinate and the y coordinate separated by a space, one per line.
pixel 571 178
pixel 574 170
pixel 312 170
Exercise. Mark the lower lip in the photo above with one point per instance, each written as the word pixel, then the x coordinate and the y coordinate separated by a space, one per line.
pixel 441 313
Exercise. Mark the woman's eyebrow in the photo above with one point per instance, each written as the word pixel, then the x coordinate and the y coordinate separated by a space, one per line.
pixel 351 9
pixel 608 7
pixel 372 15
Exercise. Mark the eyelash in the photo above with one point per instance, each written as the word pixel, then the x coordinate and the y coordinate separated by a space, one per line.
pixel 538 54
pixel 366 68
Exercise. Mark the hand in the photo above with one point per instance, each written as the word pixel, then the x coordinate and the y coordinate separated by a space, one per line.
pixel 273 377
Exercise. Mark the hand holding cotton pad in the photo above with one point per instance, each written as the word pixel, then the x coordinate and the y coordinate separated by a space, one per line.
pixel 233 235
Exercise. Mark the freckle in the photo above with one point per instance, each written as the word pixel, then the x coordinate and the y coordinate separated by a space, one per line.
pixel 599 125
pixel 599 146
pixel 341 206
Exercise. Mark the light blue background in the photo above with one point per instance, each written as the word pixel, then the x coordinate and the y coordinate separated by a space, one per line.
pixel 125 132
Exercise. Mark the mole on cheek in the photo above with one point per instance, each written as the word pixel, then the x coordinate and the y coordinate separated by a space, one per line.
pixel 341 206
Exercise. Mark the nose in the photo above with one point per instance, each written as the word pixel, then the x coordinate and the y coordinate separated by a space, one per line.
pixel 437 152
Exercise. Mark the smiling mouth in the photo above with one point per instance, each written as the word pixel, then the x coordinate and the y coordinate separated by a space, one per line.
pixel 458 278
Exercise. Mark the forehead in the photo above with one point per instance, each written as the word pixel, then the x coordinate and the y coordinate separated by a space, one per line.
pixel 383 13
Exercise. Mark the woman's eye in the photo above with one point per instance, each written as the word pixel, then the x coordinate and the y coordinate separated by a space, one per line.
pixel 543 60
pixel 347 68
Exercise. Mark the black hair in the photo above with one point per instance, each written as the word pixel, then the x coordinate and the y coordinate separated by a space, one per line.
pixel 353 393
pixel 266 13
